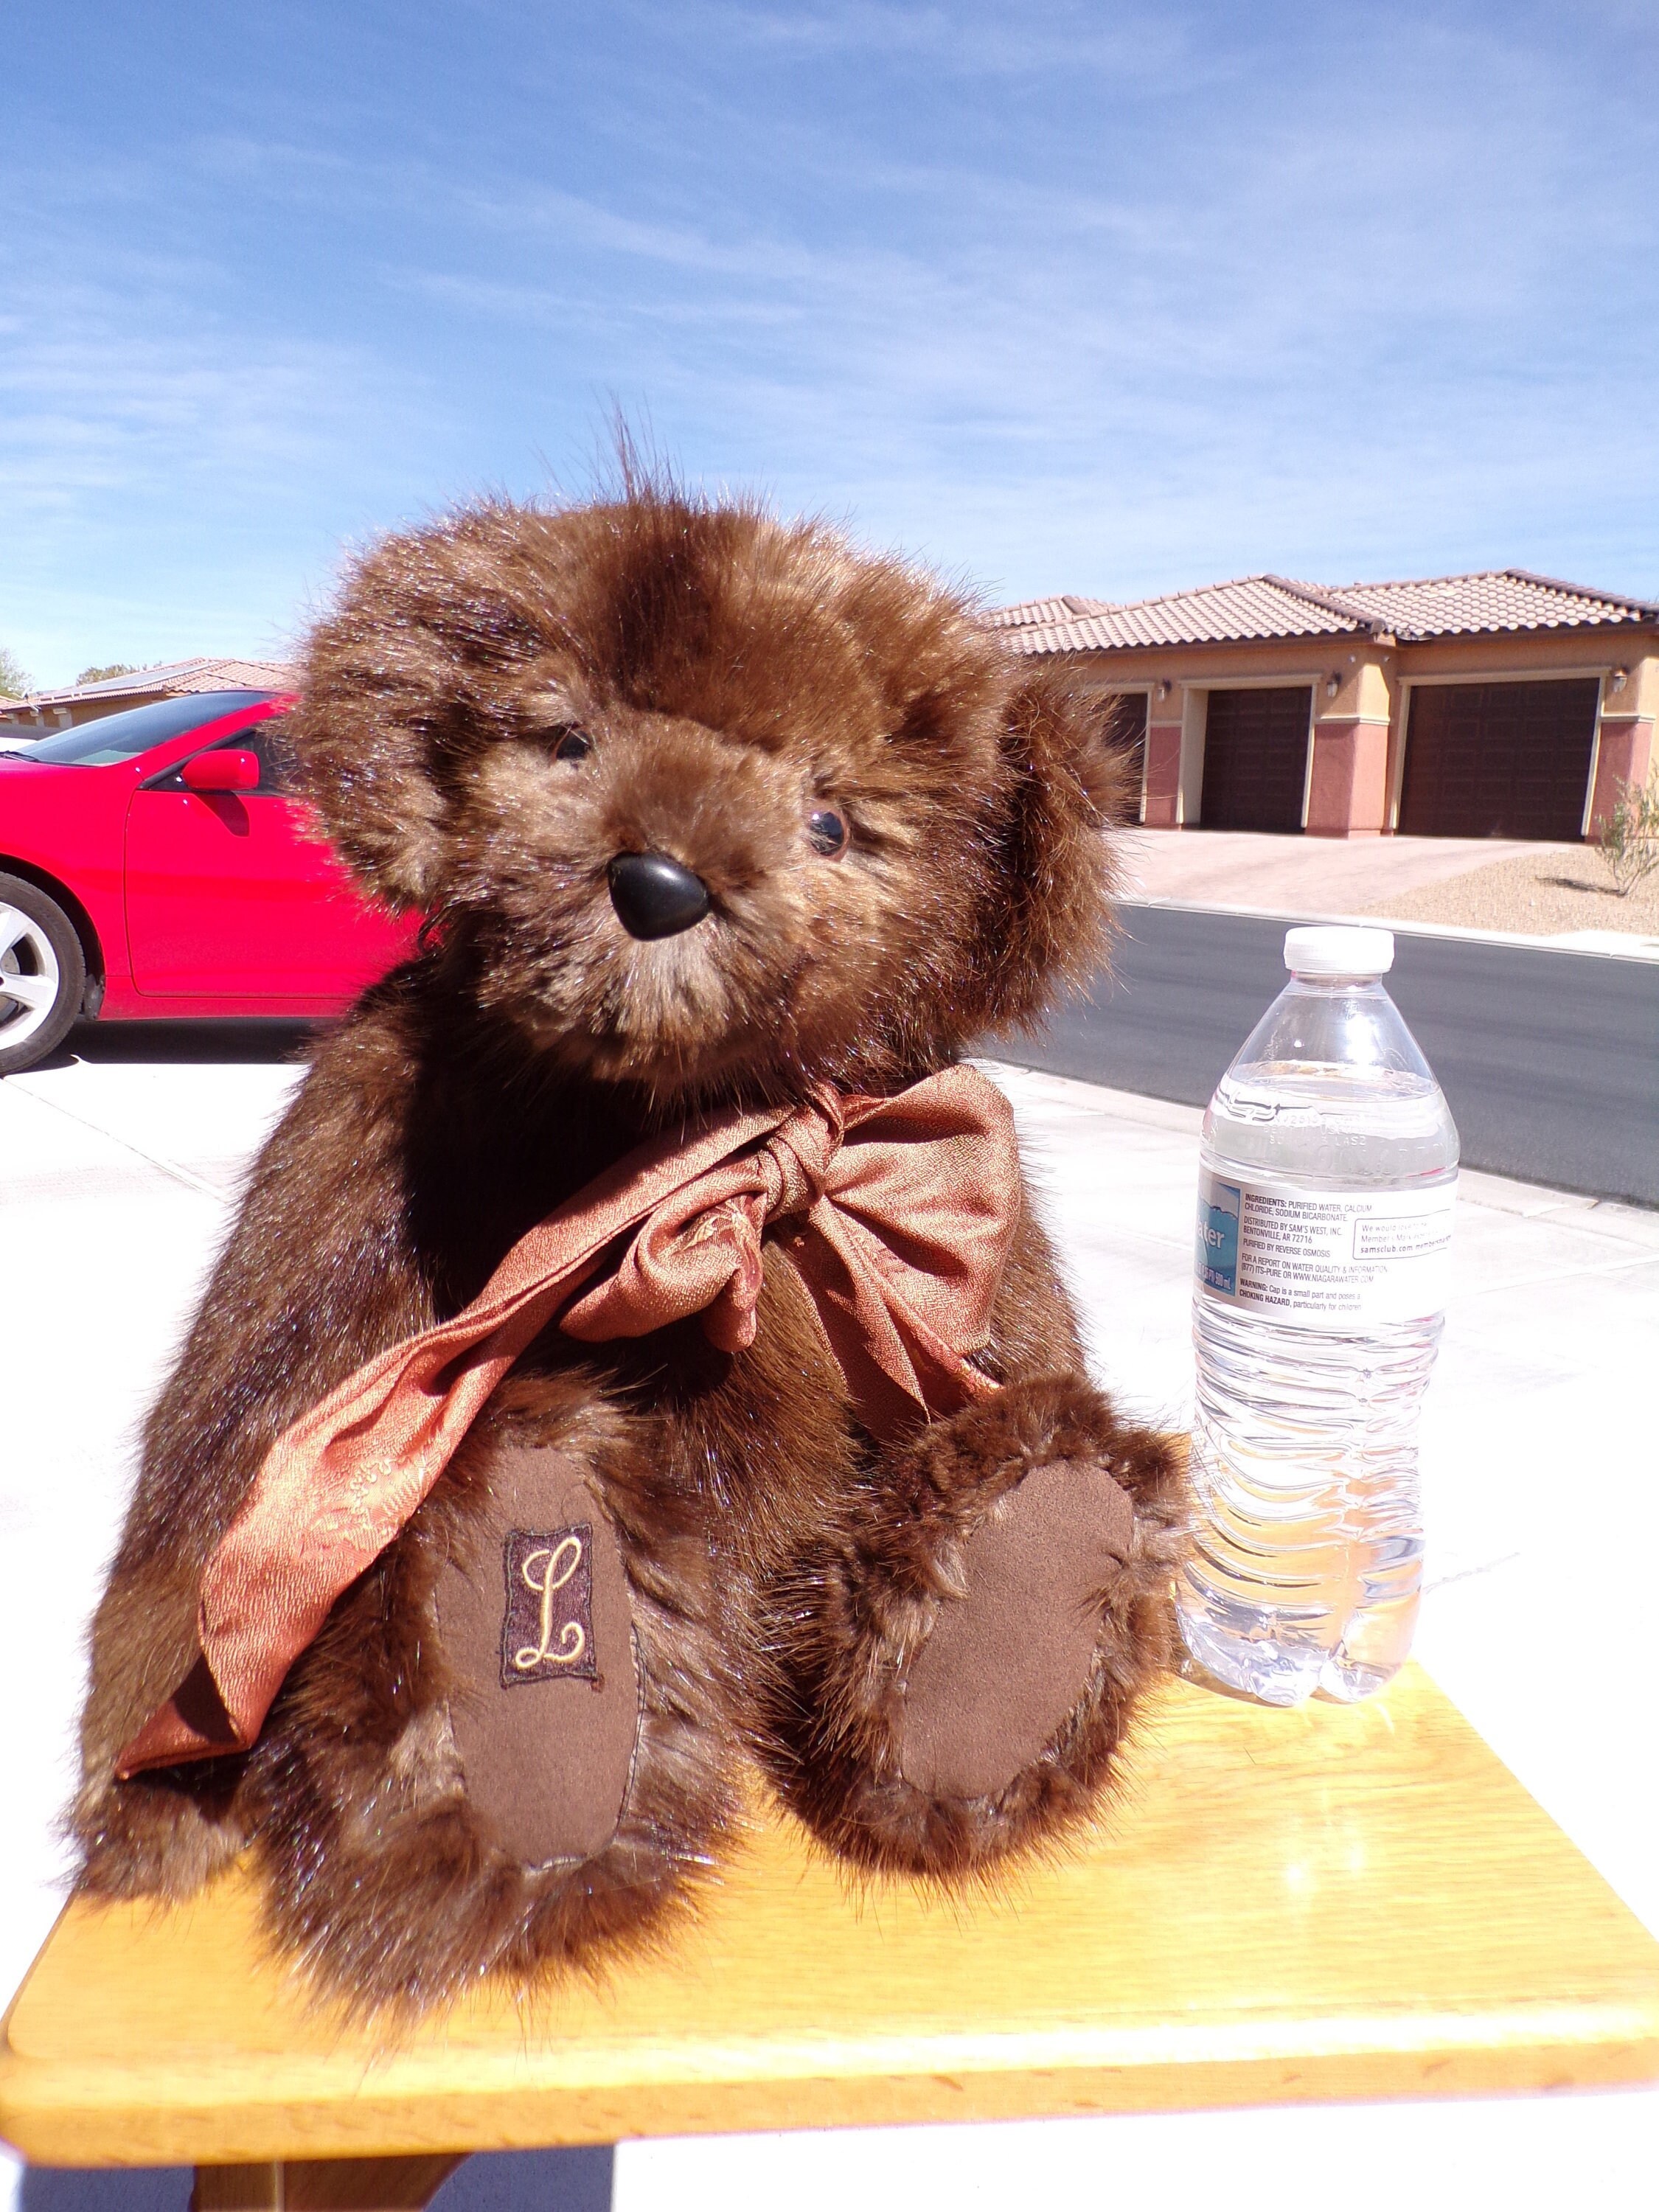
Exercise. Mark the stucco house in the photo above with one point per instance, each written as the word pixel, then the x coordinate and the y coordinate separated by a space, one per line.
pixel 1496 704
pixel 175 679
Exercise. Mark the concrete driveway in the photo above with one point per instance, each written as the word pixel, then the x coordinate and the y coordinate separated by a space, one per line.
pixel 1303 875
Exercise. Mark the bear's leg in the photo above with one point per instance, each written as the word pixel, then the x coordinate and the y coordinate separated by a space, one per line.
pixel 957 1668
pixel 509 1750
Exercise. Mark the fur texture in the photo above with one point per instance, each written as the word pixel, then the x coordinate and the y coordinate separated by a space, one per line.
pixel 500 705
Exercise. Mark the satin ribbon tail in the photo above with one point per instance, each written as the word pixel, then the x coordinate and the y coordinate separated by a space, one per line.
pixel 194 1723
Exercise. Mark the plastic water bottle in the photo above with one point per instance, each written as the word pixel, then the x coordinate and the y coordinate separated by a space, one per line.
pixel 1327 1177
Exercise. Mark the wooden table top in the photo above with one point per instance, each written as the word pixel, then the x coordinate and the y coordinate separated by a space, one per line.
pixel 1329 1903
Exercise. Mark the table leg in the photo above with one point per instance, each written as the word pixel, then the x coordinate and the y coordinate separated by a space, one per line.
pixel 323 2184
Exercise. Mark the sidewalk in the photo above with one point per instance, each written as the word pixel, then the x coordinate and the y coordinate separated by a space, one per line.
pixel 1555 894
pixel 117 1182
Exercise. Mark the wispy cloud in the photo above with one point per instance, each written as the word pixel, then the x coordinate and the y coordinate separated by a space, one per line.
pixel 157 466
pixel 1072 298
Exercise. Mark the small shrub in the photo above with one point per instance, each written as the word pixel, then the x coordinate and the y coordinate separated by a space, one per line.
pixel 1628 839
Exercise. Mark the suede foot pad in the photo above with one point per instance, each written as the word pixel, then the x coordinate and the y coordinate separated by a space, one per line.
pixel 537 1630
pixel 1006 1664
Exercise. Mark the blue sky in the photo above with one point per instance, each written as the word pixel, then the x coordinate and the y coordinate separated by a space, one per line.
pixel 1062 298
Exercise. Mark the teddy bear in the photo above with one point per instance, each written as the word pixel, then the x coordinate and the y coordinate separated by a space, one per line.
pixel 638 1366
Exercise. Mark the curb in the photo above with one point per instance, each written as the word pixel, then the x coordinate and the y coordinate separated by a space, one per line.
pixel 1587 943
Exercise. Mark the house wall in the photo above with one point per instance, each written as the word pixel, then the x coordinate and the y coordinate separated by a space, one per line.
pixel 69 713
pixel 1362 700
pixel 1353 709
pixel 1625 741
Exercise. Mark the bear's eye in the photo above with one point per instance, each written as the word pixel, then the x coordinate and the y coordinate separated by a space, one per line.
pixel 827 832
pixel 573 745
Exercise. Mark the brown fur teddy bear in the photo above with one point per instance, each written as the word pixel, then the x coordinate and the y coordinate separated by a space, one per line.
pixel 636 1356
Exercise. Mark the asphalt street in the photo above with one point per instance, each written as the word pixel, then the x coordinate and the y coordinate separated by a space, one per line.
pixel 1549 1060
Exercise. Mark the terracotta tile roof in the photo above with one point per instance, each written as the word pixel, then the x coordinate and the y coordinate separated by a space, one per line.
pixel 1048 610
pixel 1494 599
pixel 174 679
pixel 1248 607
pixel 1268 606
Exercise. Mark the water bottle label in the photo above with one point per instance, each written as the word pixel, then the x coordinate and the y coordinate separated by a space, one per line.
pixel 1324 1259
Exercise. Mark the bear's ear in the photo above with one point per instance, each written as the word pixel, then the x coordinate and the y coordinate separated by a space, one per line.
pixel 1056 869
pixel 401 684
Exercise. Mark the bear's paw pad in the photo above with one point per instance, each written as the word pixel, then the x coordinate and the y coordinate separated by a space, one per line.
pixel 1005 1664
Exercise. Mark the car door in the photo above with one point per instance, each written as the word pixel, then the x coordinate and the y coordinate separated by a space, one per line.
pixel 230 894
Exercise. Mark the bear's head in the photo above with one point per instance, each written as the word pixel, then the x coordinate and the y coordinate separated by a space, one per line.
pixel 704 803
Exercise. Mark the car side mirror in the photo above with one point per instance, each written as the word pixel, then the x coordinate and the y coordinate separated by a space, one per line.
pixel 221 771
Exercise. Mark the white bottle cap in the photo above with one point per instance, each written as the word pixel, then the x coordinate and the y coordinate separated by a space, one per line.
pixel 1329 949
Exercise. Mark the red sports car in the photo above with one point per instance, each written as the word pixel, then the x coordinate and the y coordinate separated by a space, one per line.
pixel 154 865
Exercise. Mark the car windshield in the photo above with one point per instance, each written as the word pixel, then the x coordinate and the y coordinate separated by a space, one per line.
pixel 122 737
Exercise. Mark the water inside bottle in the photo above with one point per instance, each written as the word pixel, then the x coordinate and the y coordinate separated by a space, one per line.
pixel 1306 1560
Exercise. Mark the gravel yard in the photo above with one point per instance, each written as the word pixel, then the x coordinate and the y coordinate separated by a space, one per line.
pixel 1544 893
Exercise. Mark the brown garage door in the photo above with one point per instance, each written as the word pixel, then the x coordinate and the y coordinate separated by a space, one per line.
pixel 1498 760
pixel 1255 760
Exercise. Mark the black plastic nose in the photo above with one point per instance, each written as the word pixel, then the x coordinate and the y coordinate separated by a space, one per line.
pixel 655 896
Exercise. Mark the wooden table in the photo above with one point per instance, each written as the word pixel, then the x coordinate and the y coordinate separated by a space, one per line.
pixel 1329 1903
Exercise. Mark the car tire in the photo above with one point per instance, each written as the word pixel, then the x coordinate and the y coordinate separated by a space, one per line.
pixel 42 975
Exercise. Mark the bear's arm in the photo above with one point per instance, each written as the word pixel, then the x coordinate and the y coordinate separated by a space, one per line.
pixel 318 1276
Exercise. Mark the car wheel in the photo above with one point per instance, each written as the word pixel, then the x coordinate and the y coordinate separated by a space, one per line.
pixel 42 975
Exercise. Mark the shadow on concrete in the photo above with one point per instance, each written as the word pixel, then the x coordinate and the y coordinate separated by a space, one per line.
pixel 177 1043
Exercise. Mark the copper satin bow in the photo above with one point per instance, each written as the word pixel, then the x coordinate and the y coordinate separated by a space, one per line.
pixel 902 1212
